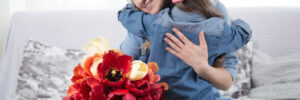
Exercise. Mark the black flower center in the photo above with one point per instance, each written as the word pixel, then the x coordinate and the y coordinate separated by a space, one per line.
pixel 113 75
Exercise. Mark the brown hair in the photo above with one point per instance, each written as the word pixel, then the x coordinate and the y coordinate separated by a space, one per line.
pixel 199 6
pixel 203 7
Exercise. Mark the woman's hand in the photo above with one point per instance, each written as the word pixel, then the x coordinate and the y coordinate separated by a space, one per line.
pixel 192 54
pixel 197 57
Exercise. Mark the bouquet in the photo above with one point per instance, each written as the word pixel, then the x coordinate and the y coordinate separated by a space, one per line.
pixel 108 74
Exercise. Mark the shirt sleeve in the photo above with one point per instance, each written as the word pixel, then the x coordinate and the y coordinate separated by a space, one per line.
pixel 230 62
pixel 136 22
pixel 132 46
pixel 234 37
pixel 222 9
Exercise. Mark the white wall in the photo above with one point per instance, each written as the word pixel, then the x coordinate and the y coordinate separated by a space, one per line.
pixel 74 4
pixel 261 3
pixel 4 19
pixel 16 5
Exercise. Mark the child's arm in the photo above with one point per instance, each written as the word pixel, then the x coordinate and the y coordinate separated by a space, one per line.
pixel 234 37
pixel 230 59
pixel 136 22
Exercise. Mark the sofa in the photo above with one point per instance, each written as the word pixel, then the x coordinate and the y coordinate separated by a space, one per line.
pixel 275 32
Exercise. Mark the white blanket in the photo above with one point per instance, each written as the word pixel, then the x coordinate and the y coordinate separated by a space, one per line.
pixel 277 78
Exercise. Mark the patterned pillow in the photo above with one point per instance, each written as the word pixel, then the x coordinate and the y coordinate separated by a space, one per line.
pixel 45 72
pixel 241 85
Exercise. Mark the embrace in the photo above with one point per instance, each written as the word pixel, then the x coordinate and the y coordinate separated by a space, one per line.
pixel 193 42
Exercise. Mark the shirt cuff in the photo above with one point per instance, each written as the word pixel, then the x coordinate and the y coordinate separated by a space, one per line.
pixel 244 25
pixel 231 70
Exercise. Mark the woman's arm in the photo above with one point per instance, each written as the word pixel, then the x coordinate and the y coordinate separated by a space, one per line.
pixel 197 57
pixel 132 46
pixel 135 21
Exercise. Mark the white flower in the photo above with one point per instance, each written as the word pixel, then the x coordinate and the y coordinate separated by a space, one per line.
pixel 138 70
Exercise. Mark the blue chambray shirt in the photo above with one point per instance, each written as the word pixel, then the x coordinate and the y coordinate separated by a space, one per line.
pixel 132 45
pixel 183 81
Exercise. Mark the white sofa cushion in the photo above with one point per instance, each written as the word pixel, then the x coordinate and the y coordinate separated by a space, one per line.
pixel 67 29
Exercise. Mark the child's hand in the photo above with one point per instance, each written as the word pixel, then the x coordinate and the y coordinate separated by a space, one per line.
pixel 192 54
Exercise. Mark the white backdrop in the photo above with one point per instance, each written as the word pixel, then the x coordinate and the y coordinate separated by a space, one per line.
pixel 73 4
pixel 261 3
pixel 21 5
pixel 118 4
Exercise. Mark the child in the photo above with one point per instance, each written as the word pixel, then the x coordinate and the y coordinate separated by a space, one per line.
pixel 182 79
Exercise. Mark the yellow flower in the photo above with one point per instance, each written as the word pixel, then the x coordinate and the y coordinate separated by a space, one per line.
pixel 96 46
pixel 138 70
pixel 94 50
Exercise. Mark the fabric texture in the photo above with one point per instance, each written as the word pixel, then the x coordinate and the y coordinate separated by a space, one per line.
pixel 45 72
pixel 242 82
pixel 184 83
pixel 65 29
pixel 276 78
pixel 133 45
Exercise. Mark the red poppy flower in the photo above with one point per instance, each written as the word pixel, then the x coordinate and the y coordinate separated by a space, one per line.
pixel 87 64
pixel 121 94
pixel 89 89
pixel 157 92
pixel 148 88
pixel 139 88
pixel 76 96
pixel 114 67
pixel 79 74
pixel 103 77
pixel 143 89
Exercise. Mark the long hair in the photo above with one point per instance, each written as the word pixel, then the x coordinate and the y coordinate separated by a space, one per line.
pixel 199 6
pixel 203 7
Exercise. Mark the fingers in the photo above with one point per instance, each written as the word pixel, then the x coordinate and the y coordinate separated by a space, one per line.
pixel 174 39
pixel 174 46
pixel 177 54
pixel 181 36
pixel 202 40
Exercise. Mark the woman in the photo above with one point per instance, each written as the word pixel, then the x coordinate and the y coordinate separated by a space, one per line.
pixel 197 55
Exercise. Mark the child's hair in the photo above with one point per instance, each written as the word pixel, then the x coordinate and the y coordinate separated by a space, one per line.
pixel 199 6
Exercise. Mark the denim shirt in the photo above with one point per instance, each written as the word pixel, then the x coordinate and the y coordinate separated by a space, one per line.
pixel 184 83
pixel 132 45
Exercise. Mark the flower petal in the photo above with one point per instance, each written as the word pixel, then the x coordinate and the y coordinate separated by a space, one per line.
pixel 118 83
pixel 121 93
pixel 153 66
pixel 165 85
pixel 123 63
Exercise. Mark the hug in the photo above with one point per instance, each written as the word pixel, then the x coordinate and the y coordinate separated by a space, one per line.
pixel 193 41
